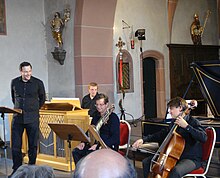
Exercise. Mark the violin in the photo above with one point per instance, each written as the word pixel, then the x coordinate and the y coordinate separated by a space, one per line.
pixel 170 150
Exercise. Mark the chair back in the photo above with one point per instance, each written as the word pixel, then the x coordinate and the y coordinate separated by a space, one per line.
pixel 208 146
pixel 207 151
pixel 125 133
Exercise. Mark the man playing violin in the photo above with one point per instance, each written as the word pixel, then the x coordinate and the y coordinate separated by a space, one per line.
pixel 108 131
pixel 191 131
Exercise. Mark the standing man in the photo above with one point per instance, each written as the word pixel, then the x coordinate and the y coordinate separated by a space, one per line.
pixel 28 94
pixel 88 101
pixel 109 131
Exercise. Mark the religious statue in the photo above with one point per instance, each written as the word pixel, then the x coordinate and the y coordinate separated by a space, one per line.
pixel 196 30
pixel 57 25
pixel 57 28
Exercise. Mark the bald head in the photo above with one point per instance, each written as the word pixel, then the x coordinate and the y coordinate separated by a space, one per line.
pixel 104 163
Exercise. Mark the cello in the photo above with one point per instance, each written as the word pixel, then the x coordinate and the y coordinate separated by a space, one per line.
pixel 170 150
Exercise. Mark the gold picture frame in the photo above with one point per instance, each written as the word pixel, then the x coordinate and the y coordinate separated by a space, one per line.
pixel 2 18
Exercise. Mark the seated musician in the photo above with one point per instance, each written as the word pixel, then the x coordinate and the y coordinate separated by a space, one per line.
pixel 88 101
pixel 191 131
pixel 109 132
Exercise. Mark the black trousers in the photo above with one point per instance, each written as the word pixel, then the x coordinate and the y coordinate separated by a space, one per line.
pixel 79 154
pixel 182 167
pixel 32 130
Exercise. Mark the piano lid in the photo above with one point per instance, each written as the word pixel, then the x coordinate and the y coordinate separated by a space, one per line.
pixel 208 76
pixel 59 106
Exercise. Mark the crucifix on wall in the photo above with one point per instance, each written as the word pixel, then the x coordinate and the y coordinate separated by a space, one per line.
pixel 120 44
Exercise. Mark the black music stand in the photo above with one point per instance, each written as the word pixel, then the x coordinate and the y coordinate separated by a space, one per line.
pixel 69 132
pixel 3 111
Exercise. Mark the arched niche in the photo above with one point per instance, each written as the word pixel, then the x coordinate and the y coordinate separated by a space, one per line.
pixel 127 72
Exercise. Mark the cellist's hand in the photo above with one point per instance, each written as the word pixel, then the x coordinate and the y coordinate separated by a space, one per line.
pixel 181 122
pixel 138 143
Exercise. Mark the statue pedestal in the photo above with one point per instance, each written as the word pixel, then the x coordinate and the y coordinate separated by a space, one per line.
pixel 59 55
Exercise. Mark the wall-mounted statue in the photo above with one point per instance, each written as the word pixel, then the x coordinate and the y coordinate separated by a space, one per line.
pixel 57 26
pixel 196 30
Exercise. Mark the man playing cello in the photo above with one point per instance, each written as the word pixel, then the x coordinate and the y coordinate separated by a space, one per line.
pixel 191 131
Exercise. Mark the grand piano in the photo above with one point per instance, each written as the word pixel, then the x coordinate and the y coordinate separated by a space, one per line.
pixel 207 78
pixel 207 74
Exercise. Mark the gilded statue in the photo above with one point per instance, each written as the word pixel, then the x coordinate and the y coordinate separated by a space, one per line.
pixel 196 30
pixel 57 25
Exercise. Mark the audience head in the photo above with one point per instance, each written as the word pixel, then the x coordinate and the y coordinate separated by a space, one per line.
pixel 33 171
pixel 93 89
pixel 104 163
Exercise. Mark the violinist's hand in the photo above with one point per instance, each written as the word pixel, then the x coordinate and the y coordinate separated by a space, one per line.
pixel 181 122
pixel 93 147
pixel 138 143
pixel 80 146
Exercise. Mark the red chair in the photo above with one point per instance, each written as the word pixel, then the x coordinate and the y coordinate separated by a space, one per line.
pixel 125 134
pixel 207 150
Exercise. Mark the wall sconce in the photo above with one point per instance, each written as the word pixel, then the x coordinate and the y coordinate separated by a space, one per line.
pixel 140 34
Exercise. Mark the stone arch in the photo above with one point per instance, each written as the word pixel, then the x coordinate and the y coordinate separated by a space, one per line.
pixel 90 27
